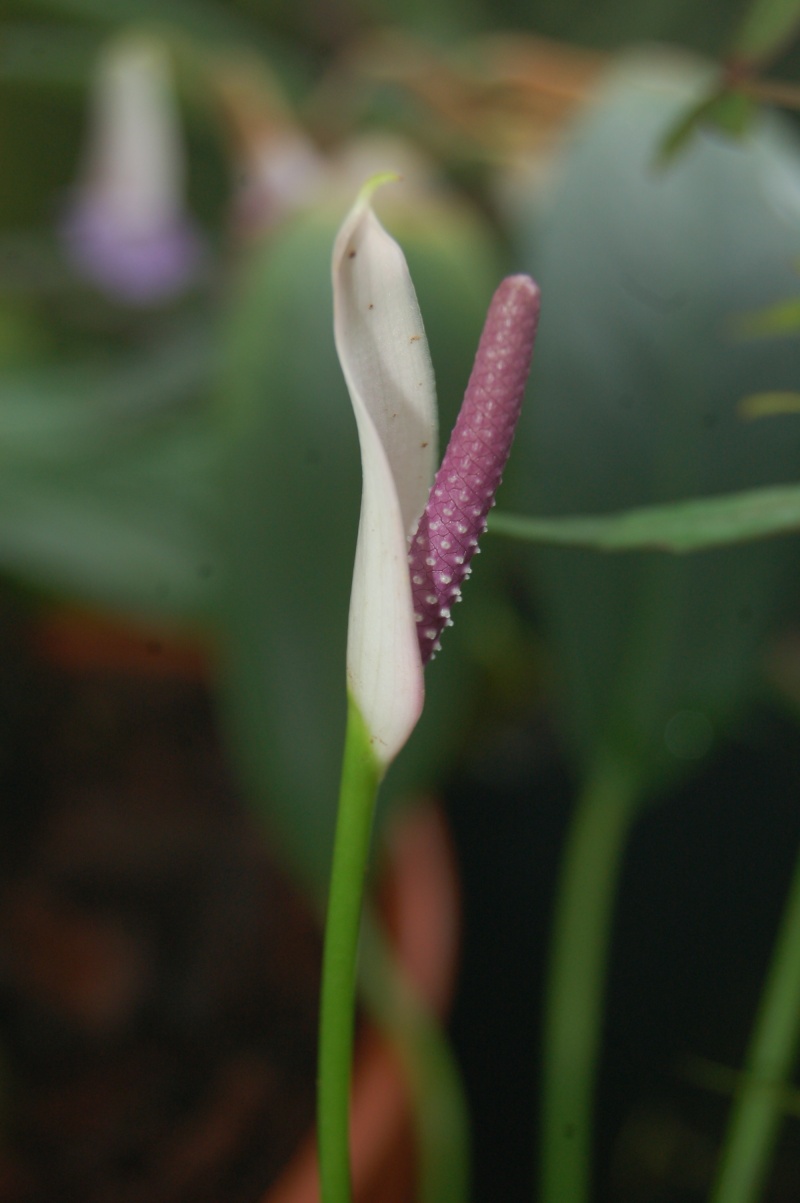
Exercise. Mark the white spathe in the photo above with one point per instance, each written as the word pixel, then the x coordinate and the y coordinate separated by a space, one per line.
pixel 384 356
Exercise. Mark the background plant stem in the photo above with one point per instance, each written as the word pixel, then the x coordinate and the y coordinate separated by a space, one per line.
pixel 577 976
pixel 440 1110
pixel 360 779
pixel 758 1109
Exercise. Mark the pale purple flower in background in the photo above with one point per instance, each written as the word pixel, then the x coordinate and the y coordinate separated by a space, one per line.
pixel 416 534
pixel 126 228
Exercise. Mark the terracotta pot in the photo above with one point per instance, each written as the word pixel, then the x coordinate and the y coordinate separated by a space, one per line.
pixel 422 913
pixel 77 639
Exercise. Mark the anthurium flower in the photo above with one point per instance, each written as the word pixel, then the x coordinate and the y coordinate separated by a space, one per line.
pixel 417 534
pixel 125 227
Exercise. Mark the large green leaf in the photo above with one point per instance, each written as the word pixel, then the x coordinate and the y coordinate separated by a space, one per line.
pixel 766 27
pixel 109 480
pixel 60 412
pixel 122 550
pixel 638 375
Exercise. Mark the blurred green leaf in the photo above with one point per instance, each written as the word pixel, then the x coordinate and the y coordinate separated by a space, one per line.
pixel 637 380
pixel 732 113
pixel 128 552
pixel 50 121
pixel 292 510
pixel 684 526
pixel 22 336
pixel 768 405
pixel 767 26
pixel 56 413
pixel 781 318
pixel 109 480
pixel 729 112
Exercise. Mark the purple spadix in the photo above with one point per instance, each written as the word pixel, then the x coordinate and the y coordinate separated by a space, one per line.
pixel 463 491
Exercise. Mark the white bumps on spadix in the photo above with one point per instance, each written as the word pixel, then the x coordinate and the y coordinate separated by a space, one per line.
pixel 463 491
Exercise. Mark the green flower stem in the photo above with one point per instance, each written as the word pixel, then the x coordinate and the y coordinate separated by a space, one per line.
pixel 361 777
pixel 577 976
pixel 439 1108
pixel 440 1111
pixel 759 1106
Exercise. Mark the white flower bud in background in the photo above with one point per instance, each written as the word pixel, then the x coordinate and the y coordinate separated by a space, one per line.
pixel 277 168
pixel 126 228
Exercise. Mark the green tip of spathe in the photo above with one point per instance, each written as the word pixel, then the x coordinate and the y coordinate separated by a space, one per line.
pixel 375 182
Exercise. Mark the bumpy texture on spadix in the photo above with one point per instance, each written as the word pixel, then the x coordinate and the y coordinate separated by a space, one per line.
pixel 463 491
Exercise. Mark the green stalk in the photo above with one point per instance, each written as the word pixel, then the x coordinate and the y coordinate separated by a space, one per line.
pixel 361 777
pixel 440 1110
pixel 577 977
pixel 758 1110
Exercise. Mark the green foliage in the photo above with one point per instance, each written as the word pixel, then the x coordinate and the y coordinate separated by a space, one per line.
pixel 724 111
pixel 781 318
pixel 638 378
pixel 767 26
pixel 107 478
pixel 767 405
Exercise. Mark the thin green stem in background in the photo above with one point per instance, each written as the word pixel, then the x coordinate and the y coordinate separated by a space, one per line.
pixel 440 1111
pixel 678 527
pixel 360 780
pixel 758 1110
pixel 577 977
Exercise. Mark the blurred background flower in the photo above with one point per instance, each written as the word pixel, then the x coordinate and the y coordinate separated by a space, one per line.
pixel 126 227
